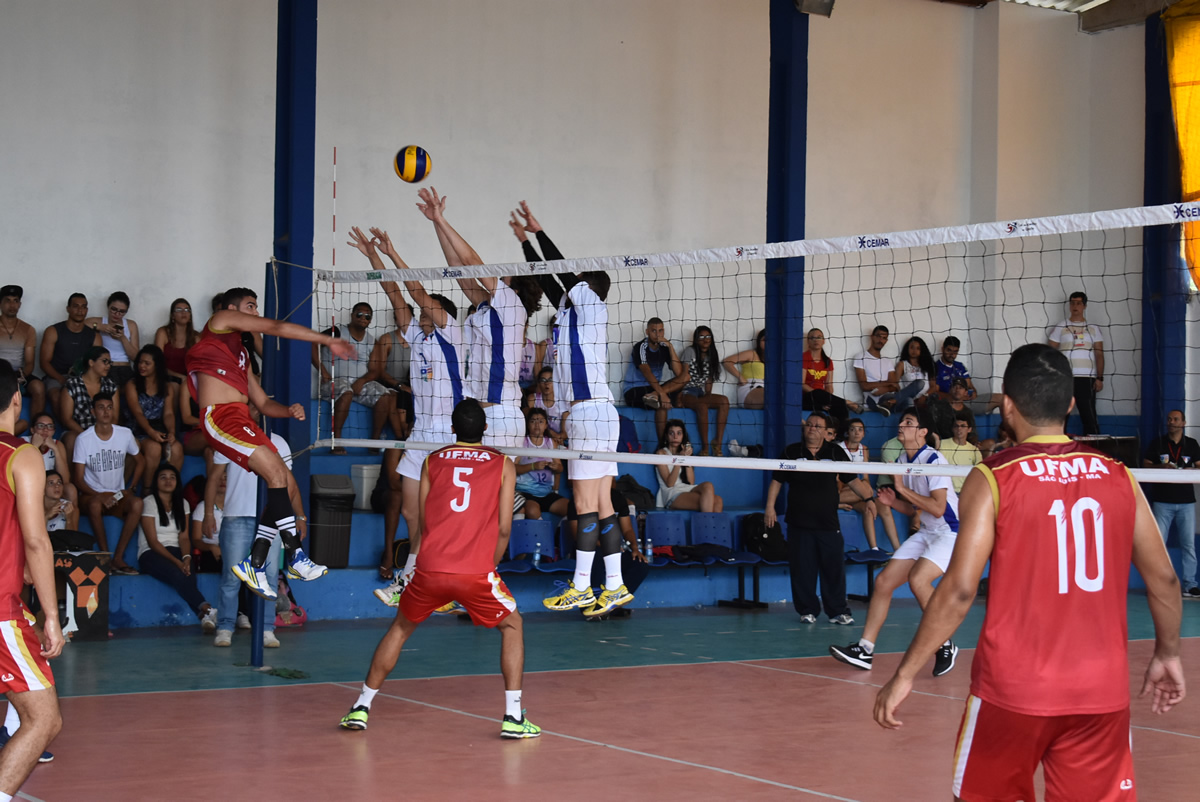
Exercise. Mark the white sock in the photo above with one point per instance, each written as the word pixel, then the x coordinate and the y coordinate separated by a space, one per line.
pixel 12 721
pixel 410 566
pixel 366 697
pixel 948 643
pixel 583 569
pixel 5 797
pixel 867 645
pixel 612 571
pixel 512 704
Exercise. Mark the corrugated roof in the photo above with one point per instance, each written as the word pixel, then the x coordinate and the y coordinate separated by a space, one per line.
pixel 1074 6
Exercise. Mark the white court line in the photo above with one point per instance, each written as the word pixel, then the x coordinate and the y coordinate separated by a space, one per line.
pixel 627 750
pixel 1165 732
pixel 23 795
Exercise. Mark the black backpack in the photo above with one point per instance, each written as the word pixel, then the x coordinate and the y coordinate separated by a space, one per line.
pixel 634 493
pixel 767 543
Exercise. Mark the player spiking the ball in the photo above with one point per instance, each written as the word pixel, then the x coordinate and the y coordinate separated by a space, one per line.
pixel 221 382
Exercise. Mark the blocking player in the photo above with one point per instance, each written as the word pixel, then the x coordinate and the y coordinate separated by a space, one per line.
pixel 25 554
pixel 580 380
pixel 922 558
pixel 219 379
pixel 435 375
pixel 466 501
pixel 1061 523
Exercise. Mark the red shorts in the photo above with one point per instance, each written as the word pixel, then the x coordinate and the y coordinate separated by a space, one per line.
pixel 22 667
pixel 230 431
pixel 485 596
pixel 1083 756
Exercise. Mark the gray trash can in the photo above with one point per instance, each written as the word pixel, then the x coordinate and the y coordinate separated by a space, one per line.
pixel 332 503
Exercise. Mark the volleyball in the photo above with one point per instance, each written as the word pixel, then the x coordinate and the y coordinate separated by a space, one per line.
pixel 412 164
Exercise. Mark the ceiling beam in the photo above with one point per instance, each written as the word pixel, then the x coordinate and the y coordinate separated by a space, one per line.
pixel 1120 13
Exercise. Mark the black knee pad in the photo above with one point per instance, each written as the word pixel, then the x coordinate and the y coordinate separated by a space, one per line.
pixel 610 536
pixel 587 532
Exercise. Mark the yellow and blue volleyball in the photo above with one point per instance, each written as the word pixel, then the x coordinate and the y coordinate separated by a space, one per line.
pixel 412 164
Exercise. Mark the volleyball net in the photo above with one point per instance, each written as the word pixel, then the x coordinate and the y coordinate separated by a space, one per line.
pixel 993 286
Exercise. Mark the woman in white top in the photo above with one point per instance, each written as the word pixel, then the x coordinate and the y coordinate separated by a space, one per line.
pixel 916 373
pixel 210 546
pixel 60 512
pixel 556 413
pixel 119 335
pixel 54 453
pixel 164 548
pixel 538 477
pixel 677 488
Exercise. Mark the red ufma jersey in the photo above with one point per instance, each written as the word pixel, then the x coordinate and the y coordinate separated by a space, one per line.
pixel 461 520
pixel 1055 633
pixel 220 354
pixel 12 542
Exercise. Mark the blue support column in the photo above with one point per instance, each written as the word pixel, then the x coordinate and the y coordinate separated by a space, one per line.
pixel 1164 273
pixel 787 153
pixel 286 363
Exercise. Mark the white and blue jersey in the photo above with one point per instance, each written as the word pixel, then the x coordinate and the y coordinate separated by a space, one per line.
pixel 435 373
pixel 947 523
pixel 581 361
pixel 496 338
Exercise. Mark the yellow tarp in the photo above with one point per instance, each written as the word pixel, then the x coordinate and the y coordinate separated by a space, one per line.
pixel 1182 23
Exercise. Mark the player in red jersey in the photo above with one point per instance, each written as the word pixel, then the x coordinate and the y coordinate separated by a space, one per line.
pixel 25 556
pixel 466 502
pixel 221 383
pixel 1061 523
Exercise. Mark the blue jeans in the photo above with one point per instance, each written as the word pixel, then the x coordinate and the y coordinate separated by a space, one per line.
pixel 237 536
pixel 1184 518
pixel 904 398
pixel 154 564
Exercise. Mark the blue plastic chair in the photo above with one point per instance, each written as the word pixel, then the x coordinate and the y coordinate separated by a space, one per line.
pixel 526 538
pixel 668 529
pixel 564 546
pixel 717 528
pixel 859 552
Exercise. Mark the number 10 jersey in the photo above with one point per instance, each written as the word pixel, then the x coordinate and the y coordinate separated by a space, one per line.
pixel 1054 638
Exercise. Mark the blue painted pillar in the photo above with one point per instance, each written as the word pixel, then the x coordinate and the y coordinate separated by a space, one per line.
pixel 1164 272
pixel 787 152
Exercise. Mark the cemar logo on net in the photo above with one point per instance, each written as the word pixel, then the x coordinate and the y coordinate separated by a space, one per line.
pixel 788 466
pixel 636 261
pixel 1187 212
pixel 448 273
pixel 871 241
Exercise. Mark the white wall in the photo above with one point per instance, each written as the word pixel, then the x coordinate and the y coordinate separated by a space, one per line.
pixel 137 151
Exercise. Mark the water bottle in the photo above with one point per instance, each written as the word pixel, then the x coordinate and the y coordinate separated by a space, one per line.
pixel 537 554
pixel 647 549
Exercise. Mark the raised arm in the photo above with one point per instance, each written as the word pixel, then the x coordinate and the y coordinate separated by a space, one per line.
pixel 419 296
pixel 232 320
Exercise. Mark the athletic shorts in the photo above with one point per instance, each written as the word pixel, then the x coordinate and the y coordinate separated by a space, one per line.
pixel 412 459
pixel 230 431
pixel 368 396
pixel 935 548
pixel 743 390
pixel 505 427
pixel 592 426
pixel 1082 756
pixel 22 667
pixel 484 596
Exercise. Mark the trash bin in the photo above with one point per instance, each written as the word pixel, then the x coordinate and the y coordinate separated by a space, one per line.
pixel 332 507
pixel 86 575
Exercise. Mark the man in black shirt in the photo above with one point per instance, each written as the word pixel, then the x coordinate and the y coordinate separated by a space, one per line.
pixel 1176 504
pixel 815 544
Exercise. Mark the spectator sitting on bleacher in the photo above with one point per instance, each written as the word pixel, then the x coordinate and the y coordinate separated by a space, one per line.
pixel 209 545
pixel 876 375
pixel 356 379
pixel 18 340
pixel 817 385
pixel 191 436
pixel 949 369
pixel 89 378
pixel 63 344
pixel 960 450
pixel 1005 438
pixel 54 453
pixel 61 513
pixel 703 367
pixel 750 369
pixel 176 339
pixel 816 547
pixel 858 452
pixel 677 487
pixel 99 475
pixel 644 385
pixel 390 363
pixel 916 374
pixel 538 478
pixel 119 335
pixel 957 405
pixel 556 413
pixel 164 547
pixel 150 404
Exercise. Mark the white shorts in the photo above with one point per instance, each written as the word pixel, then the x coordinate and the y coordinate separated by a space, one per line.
pixel 743 390
pixel 666 495
pixel 593 426
pixel 412 459
pixel 935 548
pixel 505 427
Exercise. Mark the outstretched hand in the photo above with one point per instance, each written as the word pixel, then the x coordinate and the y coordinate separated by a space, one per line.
pixel 432 205
pixel 342 349
pixel 518 227
pixel 384 243
pixel 361 242
pixel 531 223
pixel 886 496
